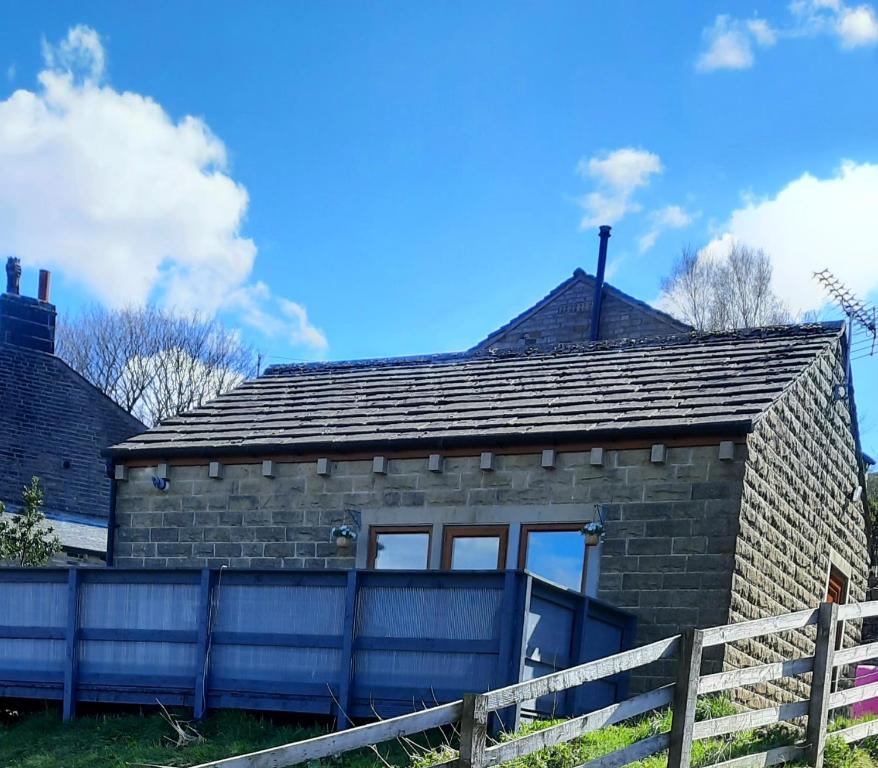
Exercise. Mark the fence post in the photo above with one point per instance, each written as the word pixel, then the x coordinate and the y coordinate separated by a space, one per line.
pixel 473 731
pixel 821 682
pixel 202 652
pixel 71 643
pixel 343 701
pixel 685 698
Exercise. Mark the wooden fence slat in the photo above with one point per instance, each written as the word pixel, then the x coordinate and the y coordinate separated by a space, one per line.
pixel 579 726
pixel 852 611
pixel 343 741
pixel 787 754
pixel 71 644
pixel 722 681
pixel 719 726
pixel 202 648
pixel 732 632
pixel 857 732
pixel 685 698
pixel 343 705
pixel 853 695
pixel 516 604
pixel 855 654
pixel 821 683
pixel 630 754
pixel 584 673
pixel 578 651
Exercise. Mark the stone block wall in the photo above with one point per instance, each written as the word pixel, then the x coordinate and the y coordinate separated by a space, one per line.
pixel 797 518
pixel 667 556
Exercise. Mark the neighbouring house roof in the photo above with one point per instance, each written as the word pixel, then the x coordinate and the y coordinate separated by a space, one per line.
pixel 694 382
pixel 54 425
pixel 582 285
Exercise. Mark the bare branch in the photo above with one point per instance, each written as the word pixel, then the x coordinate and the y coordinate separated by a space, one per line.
pixel 719 293
pixel 153 363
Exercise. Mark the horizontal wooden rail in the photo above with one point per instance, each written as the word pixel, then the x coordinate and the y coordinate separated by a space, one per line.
pixel 579 726
pixel 855 654
pixel 723 681
pixel 857 732
pixel 853 695
pixel 584 673
pixel 343 741
pixel 632 753
pixel 787 754
pixel 853 611
pixel 767 626
pixel 720 726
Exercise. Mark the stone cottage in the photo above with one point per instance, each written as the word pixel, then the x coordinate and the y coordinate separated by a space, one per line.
pixel 725 467
pixel 54 424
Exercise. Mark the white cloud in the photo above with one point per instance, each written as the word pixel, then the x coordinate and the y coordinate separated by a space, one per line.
pixel 669 217
pixel 302 333
pixel 618 175
pixel 728 46
pixel 80 53
pixel 729 41
pixel 857 26
pixel 811 224
pixel 104 186
pixel 762 32
pixel 276 317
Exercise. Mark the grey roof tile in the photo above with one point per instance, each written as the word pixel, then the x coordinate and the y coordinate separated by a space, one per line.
pixel 693 381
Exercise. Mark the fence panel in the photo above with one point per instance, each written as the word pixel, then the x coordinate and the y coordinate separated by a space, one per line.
pixel 137 636
pixel 276 640
pixel 438 633
pixel 32 631
pixel 355 643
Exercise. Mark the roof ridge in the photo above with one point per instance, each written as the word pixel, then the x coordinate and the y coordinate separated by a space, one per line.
pixel 691 337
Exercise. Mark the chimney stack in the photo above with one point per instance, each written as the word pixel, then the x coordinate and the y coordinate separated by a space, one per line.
pixel 24 321
pixel 13 275
pixel 45 285
pixel 604 235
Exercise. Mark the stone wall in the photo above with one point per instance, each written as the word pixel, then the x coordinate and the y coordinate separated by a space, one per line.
pixel 797 518
pixel 566 319
pixel 54 426
pixel 667 556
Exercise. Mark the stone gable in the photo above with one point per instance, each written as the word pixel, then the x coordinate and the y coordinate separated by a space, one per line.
pixel 564 317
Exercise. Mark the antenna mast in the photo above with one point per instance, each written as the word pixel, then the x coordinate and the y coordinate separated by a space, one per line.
pixel 860 316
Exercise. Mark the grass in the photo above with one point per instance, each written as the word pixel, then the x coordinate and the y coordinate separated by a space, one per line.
pixel 41 740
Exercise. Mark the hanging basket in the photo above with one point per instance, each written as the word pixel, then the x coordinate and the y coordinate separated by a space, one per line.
pixel 343 542
pixel 592 539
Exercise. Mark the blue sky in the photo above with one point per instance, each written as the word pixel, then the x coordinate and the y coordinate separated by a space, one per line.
pixel 362 179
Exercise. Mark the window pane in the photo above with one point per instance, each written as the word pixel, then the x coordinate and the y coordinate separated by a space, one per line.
pixel 557 556
pixel 475 553
pixel 402 550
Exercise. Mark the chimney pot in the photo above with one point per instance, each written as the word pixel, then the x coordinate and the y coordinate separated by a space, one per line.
pixel 13 275
pixel 45 285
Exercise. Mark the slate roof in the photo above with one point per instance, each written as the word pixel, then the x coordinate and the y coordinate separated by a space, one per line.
pixel 695 382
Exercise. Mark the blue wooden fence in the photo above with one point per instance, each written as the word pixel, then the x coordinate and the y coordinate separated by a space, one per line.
pixel 358 643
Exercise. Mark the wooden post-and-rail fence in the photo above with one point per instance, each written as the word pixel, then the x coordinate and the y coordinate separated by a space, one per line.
pixel 474 712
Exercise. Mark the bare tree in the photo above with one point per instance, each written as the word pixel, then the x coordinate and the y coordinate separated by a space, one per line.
pixel 154 363
pixel 718 293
